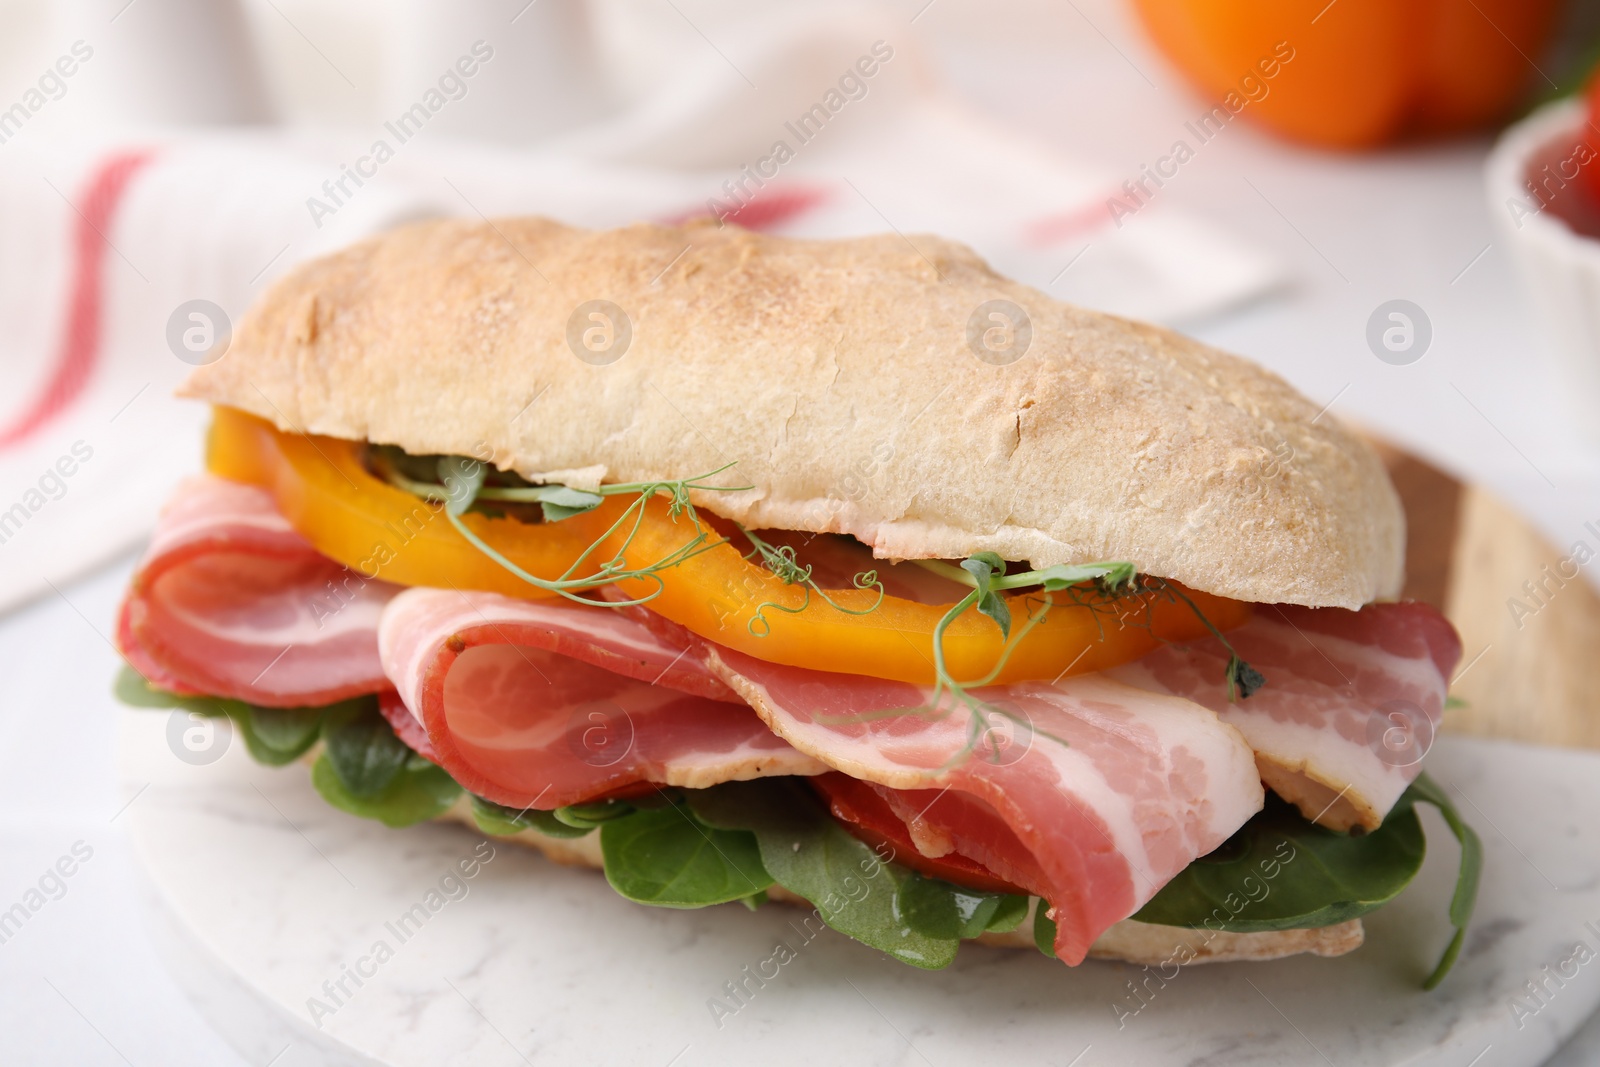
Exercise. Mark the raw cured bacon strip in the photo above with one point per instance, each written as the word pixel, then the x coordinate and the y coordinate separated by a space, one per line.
pixel 405 724
pixel 230 601
pixel 546 703
pixel 1144 785
pixel 1351 702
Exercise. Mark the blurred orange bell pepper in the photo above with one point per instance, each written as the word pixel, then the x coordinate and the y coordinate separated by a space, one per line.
pixel 1364 72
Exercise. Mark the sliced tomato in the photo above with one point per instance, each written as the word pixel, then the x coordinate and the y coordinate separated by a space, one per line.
pixel 325 491
pixel 869 818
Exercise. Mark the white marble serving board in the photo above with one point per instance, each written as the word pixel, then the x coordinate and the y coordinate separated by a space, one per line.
pixel 261 893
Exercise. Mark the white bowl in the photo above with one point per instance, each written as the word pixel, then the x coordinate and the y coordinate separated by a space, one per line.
pixel 1560 266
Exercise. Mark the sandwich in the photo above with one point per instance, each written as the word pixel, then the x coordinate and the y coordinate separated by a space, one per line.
pixel 844 574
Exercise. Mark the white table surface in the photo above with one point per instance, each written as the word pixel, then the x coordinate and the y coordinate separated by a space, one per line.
pixel 81 983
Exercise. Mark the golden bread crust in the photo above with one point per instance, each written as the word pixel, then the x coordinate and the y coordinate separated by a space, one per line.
pixel 838 377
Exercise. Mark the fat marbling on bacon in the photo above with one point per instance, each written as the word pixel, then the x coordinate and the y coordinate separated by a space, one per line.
pixel 229 600
pixel 1351 703
pixel 1102 794
pixel 543 703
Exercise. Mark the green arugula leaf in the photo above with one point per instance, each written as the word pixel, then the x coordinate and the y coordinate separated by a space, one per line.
pixel 1044 930
pixel 462 479
pixel 276 736
pixel 465 484
pixel 1114 577
pixel 939 909
pixel 983 564
pixel 811 855
pixel 1281 871
pixel 984 568
pixel 131 689
pixel 562 502
pixel 361 747
pixel 418 793
pixel 1242 679
pixel 669 858
pixel 291 730
pixel 273 736
pixel 994 606
pixel 1009 915
pixel 501 821
pixel 588 816
pixel 1470 873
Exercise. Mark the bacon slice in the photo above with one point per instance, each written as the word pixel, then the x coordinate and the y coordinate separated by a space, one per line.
pixel 230 601
pixel 1144 785
pixel 545 703
pixel 406 726
pixel 1351 703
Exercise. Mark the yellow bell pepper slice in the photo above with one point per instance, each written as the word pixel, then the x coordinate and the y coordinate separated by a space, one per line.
pixel 325 491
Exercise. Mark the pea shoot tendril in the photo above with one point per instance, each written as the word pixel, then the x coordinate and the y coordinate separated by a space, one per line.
pixel 460 485
pixel 780 560
pixel 1104 588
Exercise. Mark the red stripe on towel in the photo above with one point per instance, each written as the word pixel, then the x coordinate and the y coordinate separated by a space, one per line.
pixel 79 348
pixel 766 210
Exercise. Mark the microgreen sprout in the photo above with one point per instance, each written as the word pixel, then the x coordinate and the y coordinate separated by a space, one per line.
pixel 460 486
pixel 1101 587
pixel 1242 678
pixel 986 573
pixel 781 561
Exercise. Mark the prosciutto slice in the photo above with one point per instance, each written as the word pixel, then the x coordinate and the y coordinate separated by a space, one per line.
pixel 545 703
pixel 1143 784
pixel 1351 703
pixel 230 601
